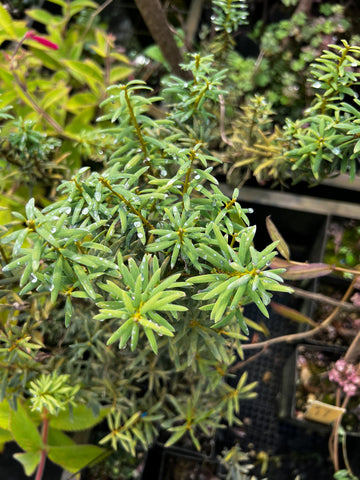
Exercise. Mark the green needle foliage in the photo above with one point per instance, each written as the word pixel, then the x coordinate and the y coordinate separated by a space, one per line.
pixel 323 143
pixel 228 16
pixel 141 273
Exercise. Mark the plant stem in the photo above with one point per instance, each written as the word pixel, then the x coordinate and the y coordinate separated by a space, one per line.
pixel 138 213
pixel 44 435
pixel 188 173
pixel 318 297
pixel 301 335
pixel 135 122
pixel 39 110
pixel 155 19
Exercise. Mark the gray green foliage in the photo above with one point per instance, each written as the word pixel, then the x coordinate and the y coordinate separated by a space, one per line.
pixel 129 281
pixel 148 254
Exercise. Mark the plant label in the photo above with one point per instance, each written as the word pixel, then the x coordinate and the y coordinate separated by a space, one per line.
pixel 323 412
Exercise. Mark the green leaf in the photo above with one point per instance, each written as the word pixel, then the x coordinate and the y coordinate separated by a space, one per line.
pixel 6 23
pixel 36 255
pixel 5 436
pixel 119 73
pixel 208 278
pixel 4 415
pixel 151 337
pixel 30 209
pixel 29 460
pixel 77 6
pixel 24 430
pixel 47 58
pixel 97 246
pixel 137 291
pixel 41 16
pixel 258 302
pixel 46 235
pixel 128 302
pixel 57 438
pixel 56 96
pixel 178 433
pixel 220 239
pixel 57 277
pixel 84 281
pixel 134 336
pixel 80 101
pixel 161 300
pixel 86 71
pixel 80 418
pixel 111 287
pixel 75 457
pixel 357 147
pixel 124 331
pixel 154 326
pixel 19 241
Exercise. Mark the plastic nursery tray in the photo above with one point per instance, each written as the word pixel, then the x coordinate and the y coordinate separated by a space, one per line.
pixel 291 380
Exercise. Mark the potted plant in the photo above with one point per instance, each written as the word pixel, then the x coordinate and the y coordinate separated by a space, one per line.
pixel 125 293
pixel 125 290
pixel 326 394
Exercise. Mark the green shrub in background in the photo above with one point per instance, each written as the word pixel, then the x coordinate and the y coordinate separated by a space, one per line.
pixel 60 89
pixel 287 50
pixel 323 143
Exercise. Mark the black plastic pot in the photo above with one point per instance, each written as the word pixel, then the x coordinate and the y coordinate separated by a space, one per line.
pixel 300 380
pixel 290 401
pixel 174 462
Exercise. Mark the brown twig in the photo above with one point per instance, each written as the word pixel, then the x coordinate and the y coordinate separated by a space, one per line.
pixel 293 337
pixel 243 363
pixel 192 22
pixel 156 21
pixel 318 297
pixel 222 122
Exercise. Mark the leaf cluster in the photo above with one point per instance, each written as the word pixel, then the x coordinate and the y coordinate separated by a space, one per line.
pixel 150 256
pixel 60 90
pixel 228 16
pixel 21 425
pixel 324 142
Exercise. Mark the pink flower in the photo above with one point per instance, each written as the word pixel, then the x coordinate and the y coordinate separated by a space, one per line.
pixel 341 365
pixel 43 41
pixel 346 376
pixel 350 389
pixel 356 299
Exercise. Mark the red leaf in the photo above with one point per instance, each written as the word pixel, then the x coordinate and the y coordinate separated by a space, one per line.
pixel 303 270
pixel 32 35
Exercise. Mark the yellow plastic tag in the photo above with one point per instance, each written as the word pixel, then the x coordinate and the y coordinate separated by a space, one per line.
pixel 323 412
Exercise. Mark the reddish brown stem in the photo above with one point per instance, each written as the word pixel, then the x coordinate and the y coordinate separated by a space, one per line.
pixel 293 337
pixel 44 436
